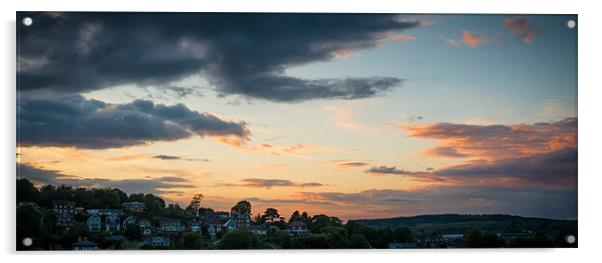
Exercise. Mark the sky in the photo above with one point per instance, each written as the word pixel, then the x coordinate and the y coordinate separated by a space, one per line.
pixel 350 115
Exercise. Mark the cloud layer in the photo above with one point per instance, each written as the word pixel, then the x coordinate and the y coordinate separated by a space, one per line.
pixel 145 185
pixel 496 141
pixel 82 123
pixel 244 54
pixel 269 183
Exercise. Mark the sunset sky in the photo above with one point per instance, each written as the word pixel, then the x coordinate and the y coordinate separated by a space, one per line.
pixel 351 115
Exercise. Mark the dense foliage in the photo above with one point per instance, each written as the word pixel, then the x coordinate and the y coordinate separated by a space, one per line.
pixel 36 219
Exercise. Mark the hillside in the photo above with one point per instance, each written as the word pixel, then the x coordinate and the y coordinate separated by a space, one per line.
pixel 461 224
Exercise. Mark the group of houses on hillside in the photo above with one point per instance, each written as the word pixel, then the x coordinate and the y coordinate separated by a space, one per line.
pixel 157 232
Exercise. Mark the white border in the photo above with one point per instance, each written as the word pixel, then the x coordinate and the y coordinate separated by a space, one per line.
pixel 590 129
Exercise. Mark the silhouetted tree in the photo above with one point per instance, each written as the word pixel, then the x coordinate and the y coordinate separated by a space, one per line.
pixel 242 207
pixel 358 241
pixel 271 215
pixel 26 191
pixel 237 239
pixel 190 240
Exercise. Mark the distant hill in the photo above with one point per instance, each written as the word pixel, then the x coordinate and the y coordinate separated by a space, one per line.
pixel 461 224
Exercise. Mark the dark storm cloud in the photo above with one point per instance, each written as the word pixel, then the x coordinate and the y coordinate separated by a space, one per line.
pixel 150 185
pixel 244 54
pixel 82 123
pixel 558 168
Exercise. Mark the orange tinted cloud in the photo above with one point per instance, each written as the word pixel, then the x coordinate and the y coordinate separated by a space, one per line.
pixel 291 150
pixel 346 165
pixel 130 157
pixel 473 40
pixel 401 37
pixel 492 142
pixel 521 28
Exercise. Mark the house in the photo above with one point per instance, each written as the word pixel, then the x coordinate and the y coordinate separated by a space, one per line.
pixel 30 204
pixel 214 226
pixel 94 224
pixel 104 212
pixel 230 225
pixel 297 228
pixel 157 241
pixel 112 223
pixel 196 226
pixel 171 225
pixel 134 207
pixel 257 230
pixel 241 220
pixel 114 238
pixel 452 237
pixel 130 220
pixel 401 245
pixel 145 226
pixel 85 245
pixel 224 215
pixel 64 211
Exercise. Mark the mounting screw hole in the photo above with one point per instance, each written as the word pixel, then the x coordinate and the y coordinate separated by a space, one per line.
pixel 571 24
pixel 27 241
pixel 27 21
pixel 571 239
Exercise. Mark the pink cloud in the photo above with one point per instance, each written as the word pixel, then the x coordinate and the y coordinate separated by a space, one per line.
pixel 402 37
pixel 472 39
pixel 521 28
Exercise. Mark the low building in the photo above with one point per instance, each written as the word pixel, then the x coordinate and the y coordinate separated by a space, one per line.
pixel 196 226
pixel 112 223
pixel 171 225
pixel 224 215
pixel 94 223
pixel 214 226
pixel 230 225
pixel 134 207
pixel 30 204
pixel 145 226
pixel 297 228
pixel 240 220
pixel 395 245
pixel 114 238
pixel 105 212
pixel 130 220
pixel 64 211
pixel 158 241
pixel 85 245
pixel 257 230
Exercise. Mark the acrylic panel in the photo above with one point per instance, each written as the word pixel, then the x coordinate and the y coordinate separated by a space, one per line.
pixel 186 131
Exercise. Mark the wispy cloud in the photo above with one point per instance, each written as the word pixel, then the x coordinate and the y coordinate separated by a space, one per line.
pixel 521 28
pixel 179 158
pixel 383 170
pixel 472 39
pixel 468 38
pixel 346 165
pixel 269 183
